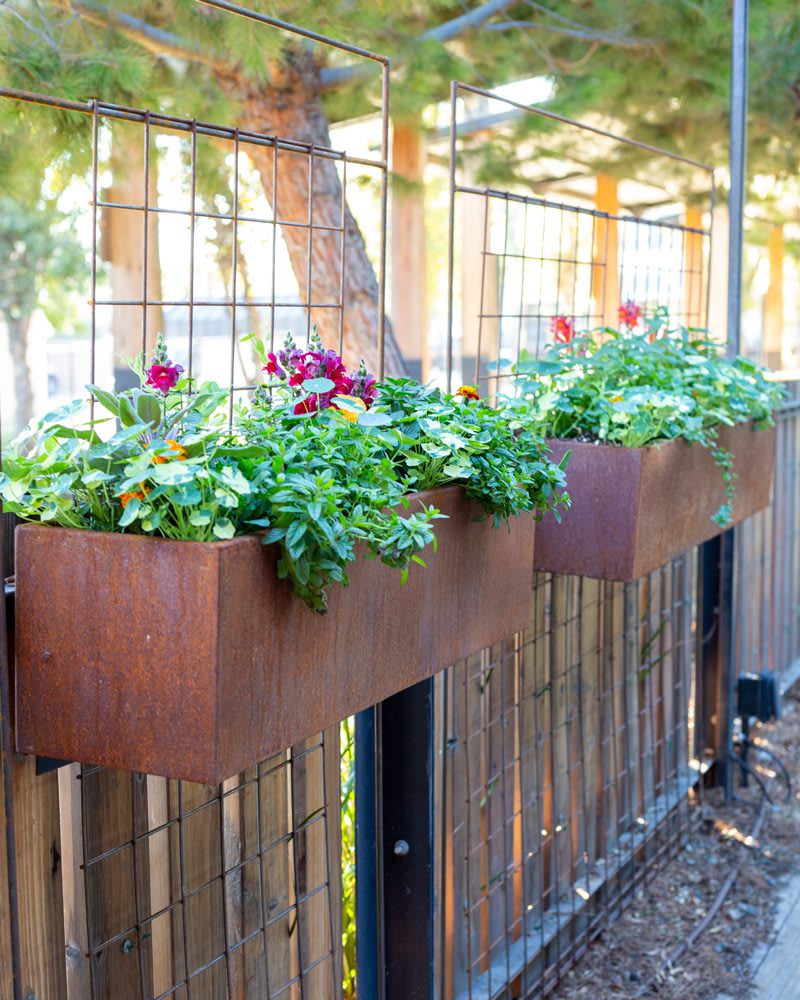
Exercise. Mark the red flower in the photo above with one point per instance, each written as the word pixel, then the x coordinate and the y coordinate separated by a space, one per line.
pixel 308 405
pixel 562 329
pixel 629 314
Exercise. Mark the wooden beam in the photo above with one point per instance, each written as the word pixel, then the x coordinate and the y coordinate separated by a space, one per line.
pixel 480 291
pixel 693 306
pixel 718 276
pixel 408 288
pixel 605 254
pixel 773 300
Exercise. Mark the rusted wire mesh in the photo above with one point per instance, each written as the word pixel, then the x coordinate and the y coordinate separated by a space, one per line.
pixel 569 759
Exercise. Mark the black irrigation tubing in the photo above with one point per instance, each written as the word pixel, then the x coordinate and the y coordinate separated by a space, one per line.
pixel 691 939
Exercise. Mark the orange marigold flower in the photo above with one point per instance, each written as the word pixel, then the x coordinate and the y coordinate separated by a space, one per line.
pixel 468 392
pixel 140 494
pixel 176 453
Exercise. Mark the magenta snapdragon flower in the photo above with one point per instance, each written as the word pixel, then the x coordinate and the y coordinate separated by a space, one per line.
pixel 162 374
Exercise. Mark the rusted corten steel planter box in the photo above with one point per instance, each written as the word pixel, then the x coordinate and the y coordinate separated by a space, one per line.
pixel 634 509
pixel 193 660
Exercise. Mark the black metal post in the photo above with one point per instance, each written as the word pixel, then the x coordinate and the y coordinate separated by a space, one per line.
pixel 738 169
pixel 394 847
pixel 407 760
pixel 716 668
pixel 726 678
pixel 368 957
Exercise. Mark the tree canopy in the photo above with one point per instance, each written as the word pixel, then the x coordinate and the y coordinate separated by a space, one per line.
pixel 659 70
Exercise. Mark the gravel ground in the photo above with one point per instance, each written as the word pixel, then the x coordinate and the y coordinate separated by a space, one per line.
pixel 631 958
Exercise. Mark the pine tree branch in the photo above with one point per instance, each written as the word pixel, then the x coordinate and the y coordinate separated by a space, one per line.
pixel 334 76
pixel 587 35
pixel 151 38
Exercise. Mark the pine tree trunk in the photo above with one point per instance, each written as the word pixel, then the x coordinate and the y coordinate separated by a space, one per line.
pixel 18 348
pixel 290 107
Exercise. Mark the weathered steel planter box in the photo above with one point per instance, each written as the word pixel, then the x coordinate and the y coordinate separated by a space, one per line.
pixel 633 509
pixel 193 660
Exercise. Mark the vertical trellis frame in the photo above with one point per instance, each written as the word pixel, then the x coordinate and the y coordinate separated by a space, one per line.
pixel 565 253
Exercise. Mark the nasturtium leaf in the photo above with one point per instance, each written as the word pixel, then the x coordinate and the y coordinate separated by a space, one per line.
pixel 224 528
pixel 201 517
pixel 131 512
pixel 172 473
pixel 372 419
pixel 95 476
pixel 186 496
pixel 318 386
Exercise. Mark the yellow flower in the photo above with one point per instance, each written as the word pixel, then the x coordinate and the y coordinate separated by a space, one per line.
pixel 352 410
pixel 616 399
pixel 176 453
pixel 468 392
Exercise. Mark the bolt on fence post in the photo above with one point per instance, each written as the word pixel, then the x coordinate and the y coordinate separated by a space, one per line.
pixel 367 937
pixel 406 848
pixel 394 847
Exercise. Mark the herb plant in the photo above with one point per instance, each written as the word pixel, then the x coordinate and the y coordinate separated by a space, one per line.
pixel 322 459
pixel 645 383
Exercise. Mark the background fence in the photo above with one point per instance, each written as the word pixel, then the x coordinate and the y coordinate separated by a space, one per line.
pixel 508 809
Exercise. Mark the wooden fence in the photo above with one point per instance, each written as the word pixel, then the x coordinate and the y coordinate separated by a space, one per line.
pixel 567 760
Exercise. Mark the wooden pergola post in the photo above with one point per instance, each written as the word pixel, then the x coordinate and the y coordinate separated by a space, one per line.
pixel 718 274
pixel 693 310
pixel 408 279
pixel 605 253
pixel 773 300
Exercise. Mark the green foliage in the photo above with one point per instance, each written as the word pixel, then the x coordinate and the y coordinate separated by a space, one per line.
pixel 318 483
pixel 38 253
pixel 638 388
pixel 498 457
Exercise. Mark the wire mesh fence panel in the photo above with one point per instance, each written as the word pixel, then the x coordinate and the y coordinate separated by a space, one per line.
pixel 208 891
pixel 767 559
pixel 569 753
pixel 562 242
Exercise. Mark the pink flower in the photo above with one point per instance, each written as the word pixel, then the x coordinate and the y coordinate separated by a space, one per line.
pixel 164 377
pixel 364 385
pixel 562 329
pixel 162 374
pixel 272 366
pixel 629 314
pixel 297 367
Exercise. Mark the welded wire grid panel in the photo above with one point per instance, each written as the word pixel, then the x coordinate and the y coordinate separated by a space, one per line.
pixel 569 769
pixel 174 889
pixel 211 891
pixel 541 248
pixel 217 232
pixel 766 564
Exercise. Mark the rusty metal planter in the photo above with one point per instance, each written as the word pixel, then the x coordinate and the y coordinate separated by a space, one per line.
pixel 193 660
pixel 633 509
